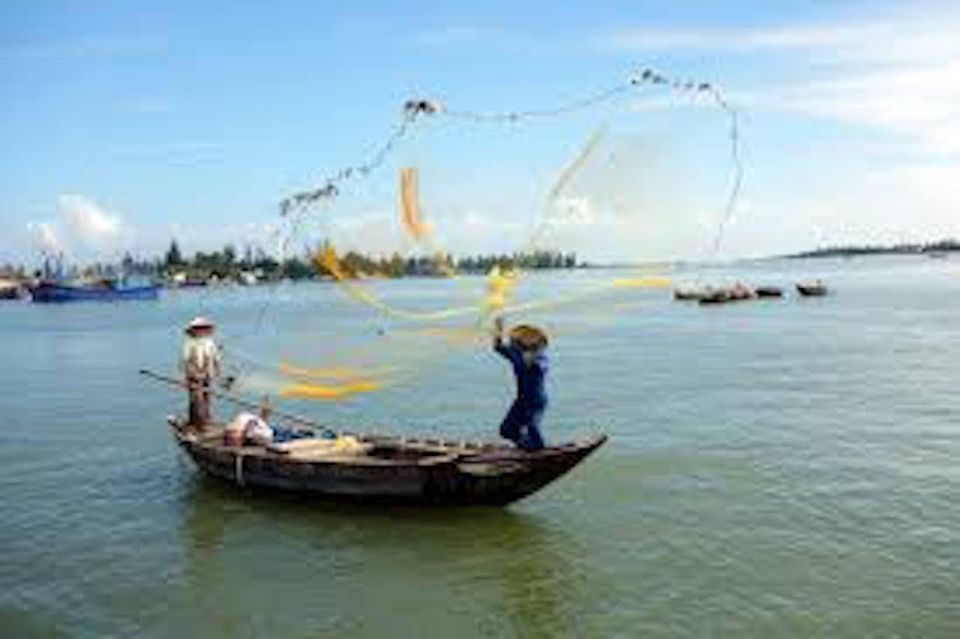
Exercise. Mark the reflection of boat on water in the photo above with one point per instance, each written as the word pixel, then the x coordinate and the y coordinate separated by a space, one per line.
pixel 47 291
pixel 812 289
pixel 389 469
pixel 525 574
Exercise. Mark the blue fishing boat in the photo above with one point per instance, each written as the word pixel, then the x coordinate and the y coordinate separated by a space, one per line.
pixel 103 291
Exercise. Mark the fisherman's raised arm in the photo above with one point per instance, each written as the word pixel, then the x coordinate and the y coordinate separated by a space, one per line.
pixel 504 347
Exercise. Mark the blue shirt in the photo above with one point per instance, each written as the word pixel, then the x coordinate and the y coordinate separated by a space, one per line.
pixel 530 377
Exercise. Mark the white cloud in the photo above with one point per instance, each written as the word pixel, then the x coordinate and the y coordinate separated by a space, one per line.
pixel 920 103
pixel 45 237
pixel 82 228
pixel 899 75
pixel 93 225
pixel 892 39
pixel 891 82
pixel 738 39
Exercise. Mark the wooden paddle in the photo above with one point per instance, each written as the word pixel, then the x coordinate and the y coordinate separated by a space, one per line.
pixel 229 397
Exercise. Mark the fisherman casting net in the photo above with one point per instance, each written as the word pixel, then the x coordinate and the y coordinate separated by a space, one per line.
pixel 620 168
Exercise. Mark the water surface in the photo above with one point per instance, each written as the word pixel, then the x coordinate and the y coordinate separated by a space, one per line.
pixel 785 468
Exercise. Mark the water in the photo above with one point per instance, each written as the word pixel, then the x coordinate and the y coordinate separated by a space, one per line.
pixel 787 469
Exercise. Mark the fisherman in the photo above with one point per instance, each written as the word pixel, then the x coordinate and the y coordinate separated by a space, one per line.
pixel 200 363
pixel 526 352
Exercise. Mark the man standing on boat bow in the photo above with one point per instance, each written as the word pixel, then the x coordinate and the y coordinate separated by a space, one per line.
pixel 200 363
pixel 526 352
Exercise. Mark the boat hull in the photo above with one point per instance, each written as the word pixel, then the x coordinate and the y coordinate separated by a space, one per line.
pixel 46 293
pixel 489 475
pixel 812 290
pixel 769 291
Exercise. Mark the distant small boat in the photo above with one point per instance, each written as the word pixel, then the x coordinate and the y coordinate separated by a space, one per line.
pixel 103 291
pixel 769 291
pixel 688 294
pixel 740 291
pixel 718 296
pixel 10 292
pixel 193 282
pixel 812 289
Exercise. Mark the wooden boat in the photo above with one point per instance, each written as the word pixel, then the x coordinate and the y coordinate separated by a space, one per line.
pixel 48 291
pixel 688 294
pixel 10 292
pixel 740 292
pixel 812 289
pixel 718 296
pixel 769 291
pixel 388 469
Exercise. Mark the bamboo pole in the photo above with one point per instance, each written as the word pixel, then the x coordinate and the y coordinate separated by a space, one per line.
pixel 229 397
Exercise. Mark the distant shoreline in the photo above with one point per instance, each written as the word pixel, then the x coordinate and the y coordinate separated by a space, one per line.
pixel 934 248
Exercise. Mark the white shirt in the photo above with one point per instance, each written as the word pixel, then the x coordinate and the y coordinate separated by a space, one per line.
pixel 201 357
pixel 253 427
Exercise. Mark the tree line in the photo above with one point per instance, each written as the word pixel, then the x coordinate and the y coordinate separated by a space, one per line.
pixel 940 246
pixel 227 263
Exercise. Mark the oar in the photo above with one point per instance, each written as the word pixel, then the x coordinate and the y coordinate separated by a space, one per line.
pixel 236 400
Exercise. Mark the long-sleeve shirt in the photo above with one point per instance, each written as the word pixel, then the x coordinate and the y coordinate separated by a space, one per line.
pixel 530 376
pixel 200 358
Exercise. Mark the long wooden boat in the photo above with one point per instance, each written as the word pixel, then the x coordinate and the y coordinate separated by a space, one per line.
pixel 389 469
pixel 53 292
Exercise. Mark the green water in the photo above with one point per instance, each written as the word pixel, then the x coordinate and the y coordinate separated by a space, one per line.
pixel 776 469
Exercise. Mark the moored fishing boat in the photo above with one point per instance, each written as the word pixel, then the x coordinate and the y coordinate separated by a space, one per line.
pixel 812 289
pixel 47 291
pixel 689 294
pixel 386 468
pixel 769 291
pixel 10 292
pixel 717 296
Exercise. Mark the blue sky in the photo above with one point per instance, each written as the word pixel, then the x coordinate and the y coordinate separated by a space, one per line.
pixel 127 123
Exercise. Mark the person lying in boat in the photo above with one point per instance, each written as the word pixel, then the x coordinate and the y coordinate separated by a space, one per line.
pixel 526 351
pixel 200 363
pixel 250 428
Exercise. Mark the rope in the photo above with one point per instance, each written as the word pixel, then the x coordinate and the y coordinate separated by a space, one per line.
pixel 415 109
pixel 296 207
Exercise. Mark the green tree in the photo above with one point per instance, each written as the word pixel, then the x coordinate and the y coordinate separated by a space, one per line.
pixel 174 258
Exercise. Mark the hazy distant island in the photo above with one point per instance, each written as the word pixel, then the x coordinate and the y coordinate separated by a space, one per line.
pixel 932 248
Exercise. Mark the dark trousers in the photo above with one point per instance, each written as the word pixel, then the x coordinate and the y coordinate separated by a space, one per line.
pixel 199 401
pixel 522 425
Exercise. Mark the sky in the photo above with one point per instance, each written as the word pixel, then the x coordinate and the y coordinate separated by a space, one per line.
pixel 126 124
